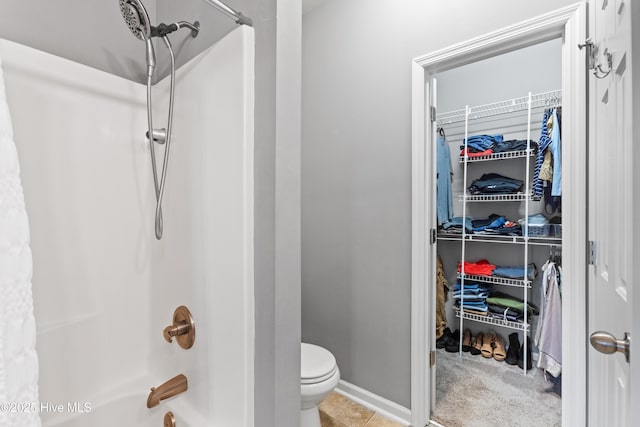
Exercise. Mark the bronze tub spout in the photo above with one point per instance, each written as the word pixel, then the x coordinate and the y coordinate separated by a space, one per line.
pixel 174 386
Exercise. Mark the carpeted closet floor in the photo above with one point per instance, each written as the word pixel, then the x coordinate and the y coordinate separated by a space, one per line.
pixel 472 391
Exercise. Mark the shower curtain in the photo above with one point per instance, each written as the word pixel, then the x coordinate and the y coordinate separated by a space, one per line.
pixel 19 405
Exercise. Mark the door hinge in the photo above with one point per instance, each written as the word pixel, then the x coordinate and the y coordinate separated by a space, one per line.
pixel 592 253
pixel 591 52
pixel 432 358
pixel 433 236
pixel 433 113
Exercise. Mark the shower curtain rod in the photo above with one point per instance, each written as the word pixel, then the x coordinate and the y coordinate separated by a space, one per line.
pixel 236 16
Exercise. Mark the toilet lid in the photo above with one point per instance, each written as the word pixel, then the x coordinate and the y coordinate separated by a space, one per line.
pixel 316 364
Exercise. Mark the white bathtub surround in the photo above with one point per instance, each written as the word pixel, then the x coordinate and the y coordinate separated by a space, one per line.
pixel 18 358
pixel 104 287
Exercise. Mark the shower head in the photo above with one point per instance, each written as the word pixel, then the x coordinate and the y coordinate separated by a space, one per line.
pixel 137 19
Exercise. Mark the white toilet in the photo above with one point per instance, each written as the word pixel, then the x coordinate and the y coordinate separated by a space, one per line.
pixel 319 375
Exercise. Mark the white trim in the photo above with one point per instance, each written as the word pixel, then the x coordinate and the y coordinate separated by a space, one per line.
pixel 418 252
pixel 377 404
pixel 513 37
pixel 574 235
pixel 568 22
pixel 249 213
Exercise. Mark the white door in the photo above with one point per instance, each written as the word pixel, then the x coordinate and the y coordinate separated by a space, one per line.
pixel 611 219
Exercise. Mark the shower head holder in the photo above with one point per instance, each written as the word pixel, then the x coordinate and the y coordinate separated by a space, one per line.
pixel 163 29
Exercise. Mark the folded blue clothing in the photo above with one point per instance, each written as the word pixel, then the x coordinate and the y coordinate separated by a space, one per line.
pixel 515 230
pixel 474 293
pixel 478 143
pixel 513 145
pixel 474 306
pixel 470 299
pixel 493 183
pixel 515 272
pixel 495 223
pixel 456 222
pixel 469 287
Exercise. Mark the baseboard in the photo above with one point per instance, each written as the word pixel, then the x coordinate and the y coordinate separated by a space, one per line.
pixel 378 404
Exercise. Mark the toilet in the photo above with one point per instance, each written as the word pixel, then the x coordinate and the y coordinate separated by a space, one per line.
pixel 319 375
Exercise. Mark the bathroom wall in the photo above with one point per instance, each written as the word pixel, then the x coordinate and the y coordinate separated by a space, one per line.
pixel 85 172
pixel 356 163
pixel 205 258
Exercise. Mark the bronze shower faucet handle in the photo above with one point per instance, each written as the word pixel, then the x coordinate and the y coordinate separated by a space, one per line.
pixel 183 328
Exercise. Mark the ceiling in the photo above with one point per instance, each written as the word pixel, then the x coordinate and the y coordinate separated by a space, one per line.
pixel 92 32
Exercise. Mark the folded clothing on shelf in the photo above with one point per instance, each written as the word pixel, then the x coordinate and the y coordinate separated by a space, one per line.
pixel 509 301
pixel 479 268
pixel 472 291
pixel 484 145
pixel 516 272
pixel 494 221
pixel 493 183
pixel 472 310
pixel 480 143
pixel 472 297
pixel 454 225
pixel 513 145
pixel 505 313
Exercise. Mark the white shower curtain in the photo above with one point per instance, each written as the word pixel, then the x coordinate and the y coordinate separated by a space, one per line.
pixel 19 405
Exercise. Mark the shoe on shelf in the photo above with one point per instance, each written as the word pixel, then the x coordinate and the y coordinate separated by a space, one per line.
pixel 499 351
pixel 453 344
pixel 476 344
pixel 442 341
pixel 513 354
pixel 487 344
pixel 521 358
pixel 466 341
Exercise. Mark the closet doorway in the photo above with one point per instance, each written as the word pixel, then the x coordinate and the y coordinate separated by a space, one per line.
pixel 503 89
pixel 484 339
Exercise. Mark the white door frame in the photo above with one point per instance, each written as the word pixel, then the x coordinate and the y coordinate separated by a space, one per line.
pixel 569 23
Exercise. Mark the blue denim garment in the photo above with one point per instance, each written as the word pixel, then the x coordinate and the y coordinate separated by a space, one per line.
pixel 481 142
pixel 457 221
pixel 513 145
pixel 556 152
pixel 515 272
pixel 493 183
pixel 496 223
pixel 444 199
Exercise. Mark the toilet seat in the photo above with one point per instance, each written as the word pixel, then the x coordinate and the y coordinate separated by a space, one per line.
pixel 316 364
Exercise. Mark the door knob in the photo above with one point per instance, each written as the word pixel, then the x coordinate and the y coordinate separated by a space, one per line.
pixel 606 343
pixel 183 328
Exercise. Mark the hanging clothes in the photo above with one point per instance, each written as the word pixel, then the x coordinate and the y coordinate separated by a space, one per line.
pixel 556 152
pixel 544 142
pixel 441 293
pixel 443 180
pixel 549 333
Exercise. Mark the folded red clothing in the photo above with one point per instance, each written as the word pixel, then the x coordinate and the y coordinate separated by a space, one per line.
pixel 486 152
pixel 479 268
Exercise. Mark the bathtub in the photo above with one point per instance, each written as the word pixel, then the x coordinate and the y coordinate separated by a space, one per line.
pixel 124 408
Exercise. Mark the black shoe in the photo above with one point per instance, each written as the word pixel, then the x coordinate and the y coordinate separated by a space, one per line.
pixel 453 343
pixel 513 354
pixel 442 341
pixel 521 358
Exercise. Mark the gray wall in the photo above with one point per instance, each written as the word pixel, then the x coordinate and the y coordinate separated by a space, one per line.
pixel 356 172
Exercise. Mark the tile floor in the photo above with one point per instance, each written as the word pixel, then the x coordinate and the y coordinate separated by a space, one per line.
pixel 339 411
